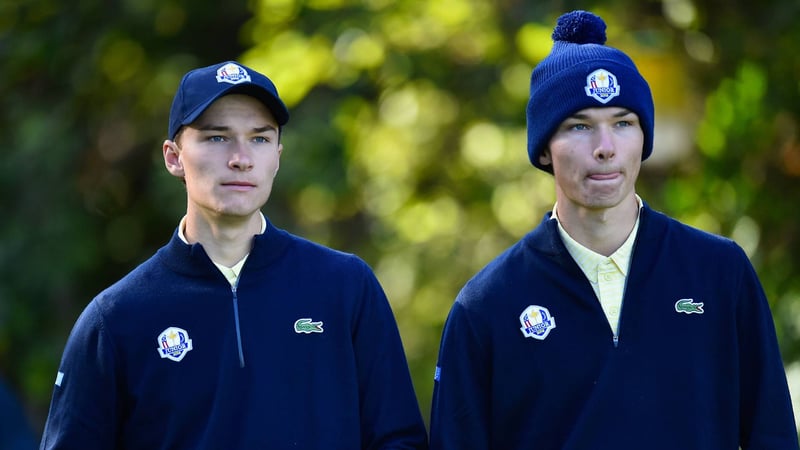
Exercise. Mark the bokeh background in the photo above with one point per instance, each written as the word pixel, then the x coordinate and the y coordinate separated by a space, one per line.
pixel 406 143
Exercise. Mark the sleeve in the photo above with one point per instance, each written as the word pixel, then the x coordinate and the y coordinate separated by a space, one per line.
pixel 15 431
pixel 83 406
pixel 390 414
pixel 766 416
pixel 460 407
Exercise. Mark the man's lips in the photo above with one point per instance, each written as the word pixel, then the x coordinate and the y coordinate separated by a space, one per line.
pixel 238 185
pixel 604 176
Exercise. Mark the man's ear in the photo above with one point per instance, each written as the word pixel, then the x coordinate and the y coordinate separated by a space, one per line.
pixel 545 159
pixel 278 166
pixel 172 158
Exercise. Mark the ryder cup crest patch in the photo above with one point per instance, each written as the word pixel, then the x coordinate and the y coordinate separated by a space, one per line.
pixel 233 74
pixel 536 322
pixel 602 85
pixel 174 343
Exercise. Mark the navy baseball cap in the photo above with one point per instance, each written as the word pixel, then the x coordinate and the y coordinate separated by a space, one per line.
pixel 199 88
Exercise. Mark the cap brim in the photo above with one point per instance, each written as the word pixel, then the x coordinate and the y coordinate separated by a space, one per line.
pixel 275 105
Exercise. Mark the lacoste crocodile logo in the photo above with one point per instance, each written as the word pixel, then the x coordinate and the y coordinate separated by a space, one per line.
pixel 688 306
pixel 307 326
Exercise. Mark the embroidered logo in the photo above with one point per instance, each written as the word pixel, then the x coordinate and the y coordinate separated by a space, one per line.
pixel 174 343
pixel 602 85
pixel 688 306
pixel 536 322
pixel 307 326
pixel 233 74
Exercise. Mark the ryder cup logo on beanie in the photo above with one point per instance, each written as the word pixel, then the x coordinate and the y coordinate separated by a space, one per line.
pixel 582 72
pixel 201 87
pixel 602 85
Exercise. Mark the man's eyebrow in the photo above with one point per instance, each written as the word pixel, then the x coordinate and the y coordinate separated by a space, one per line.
pixel 265 128
pixel 621 113
pixel 212 127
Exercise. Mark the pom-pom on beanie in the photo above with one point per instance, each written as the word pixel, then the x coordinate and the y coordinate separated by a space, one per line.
pixel 582 72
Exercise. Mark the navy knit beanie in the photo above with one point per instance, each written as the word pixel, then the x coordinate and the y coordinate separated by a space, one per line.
pixel 581 72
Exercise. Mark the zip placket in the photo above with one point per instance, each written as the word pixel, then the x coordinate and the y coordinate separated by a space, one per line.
pixel 616 332
pixel 234 288
pixel 625 289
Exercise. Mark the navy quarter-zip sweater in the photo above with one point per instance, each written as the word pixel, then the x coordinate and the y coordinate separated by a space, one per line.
pixel 696 366
pixel 304 353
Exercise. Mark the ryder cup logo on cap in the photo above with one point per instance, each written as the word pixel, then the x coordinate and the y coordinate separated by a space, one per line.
pixel 232 73
pixel 602 85
pixel 201 87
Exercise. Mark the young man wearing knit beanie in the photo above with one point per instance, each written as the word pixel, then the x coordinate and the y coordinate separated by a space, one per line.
pixel 610 325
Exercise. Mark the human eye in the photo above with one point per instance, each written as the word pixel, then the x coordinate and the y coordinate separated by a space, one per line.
pixel 627 122
pixel 626 119
pixel 216 138
pixel 264 135
pixel 577 126
pixel 572 126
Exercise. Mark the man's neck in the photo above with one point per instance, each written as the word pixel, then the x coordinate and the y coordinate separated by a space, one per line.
pixel 225 241
pixel 600 230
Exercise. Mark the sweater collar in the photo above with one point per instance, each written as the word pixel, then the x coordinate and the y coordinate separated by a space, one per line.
pixel 192 259
pixel 545 238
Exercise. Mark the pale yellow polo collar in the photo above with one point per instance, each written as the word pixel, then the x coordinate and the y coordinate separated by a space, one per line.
pixel 588 260
pixel 231 273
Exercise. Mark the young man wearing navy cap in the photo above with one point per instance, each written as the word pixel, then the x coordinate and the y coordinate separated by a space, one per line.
pixel 610 325
pixel 236 334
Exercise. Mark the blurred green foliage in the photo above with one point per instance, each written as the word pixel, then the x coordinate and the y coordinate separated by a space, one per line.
pixel 406 143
